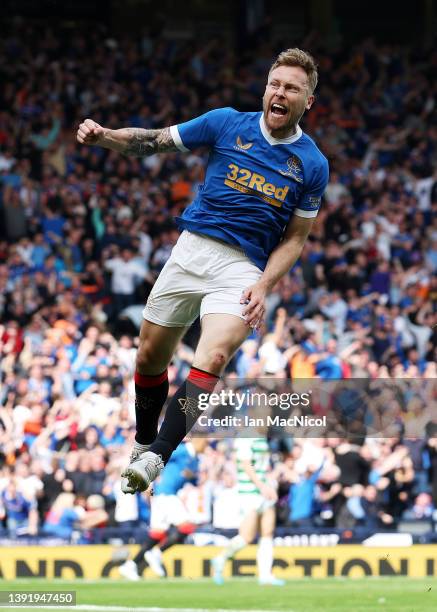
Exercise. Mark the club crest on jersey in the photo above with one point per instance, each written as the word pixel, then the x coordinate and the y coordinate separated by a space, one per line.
pixel 242 147
pixel 294 169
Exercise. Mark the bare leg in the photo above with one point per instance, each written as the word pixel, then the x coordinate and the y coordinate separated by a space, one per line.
pixel 156 348
pixel 246 535
pixel 221 336
pixel 157 345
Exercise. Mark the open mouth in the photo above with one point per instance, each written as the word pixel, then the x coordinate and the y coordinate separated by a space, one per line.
pixel 278 110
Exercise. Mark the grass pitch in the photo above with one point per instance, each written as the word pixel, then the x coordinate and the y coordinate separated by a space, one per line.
pixel 393 594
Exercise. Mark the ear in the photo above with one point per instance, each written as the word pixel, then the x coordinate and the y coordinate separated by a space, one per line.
pixel 310 102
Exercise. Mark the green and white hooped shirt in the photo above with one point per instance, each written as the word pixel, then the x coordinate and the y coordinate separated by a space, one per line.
pixel 255 450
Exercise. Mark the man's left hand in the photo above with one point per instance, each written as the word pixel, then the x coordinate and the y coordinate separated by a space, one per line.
pixel 254 298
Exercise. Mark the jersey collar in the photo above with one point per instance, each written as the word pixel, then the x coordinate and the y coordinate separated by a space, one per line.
pixel 274 141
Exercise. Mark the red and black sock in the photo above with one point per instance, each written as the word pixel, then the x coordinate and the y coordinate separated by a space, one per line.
pixel 176 535
pixel 183 411
pixel 150 395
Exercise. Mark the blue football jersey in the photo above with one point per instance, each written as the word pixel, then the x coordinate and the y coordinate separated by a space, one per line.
pixel 254 182
pixel 174 475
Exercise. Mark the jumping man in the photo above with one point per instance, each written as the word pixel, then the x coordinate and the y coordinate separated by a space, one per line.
pixel 243 232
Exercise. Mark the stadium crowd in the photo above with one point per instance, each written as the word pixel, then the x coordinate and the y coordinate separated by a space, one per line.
pixel 84 233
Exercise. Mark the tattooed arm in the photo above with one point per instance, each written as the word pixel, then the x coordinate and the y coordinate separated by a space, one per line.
pixel 139 142
pixel 129 141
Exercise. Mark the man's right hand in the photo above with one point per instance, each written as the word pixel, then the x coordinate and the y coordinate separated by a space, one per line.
pixel 90 133
pixel 269 493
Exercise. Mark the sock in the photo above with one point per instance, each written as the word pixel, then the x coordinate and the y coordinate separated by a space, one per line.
pixel 264 558
pixel 236 544
pixel 150 395
pixel 149 543
pixel 182 412
pixel 175 536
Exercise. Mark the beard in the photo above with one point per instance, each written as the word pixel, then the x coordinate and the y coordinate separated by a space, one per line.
pixel 283 124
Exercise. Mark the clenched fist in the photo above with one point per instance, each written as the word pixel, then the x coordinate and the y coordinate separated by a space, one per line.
pixel 90 133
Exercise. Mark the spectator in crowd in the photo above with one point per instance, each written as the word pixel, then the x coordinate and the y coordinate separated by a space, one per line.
pixel 126 275
pixel 69 512
pixel 423 508
pixel 20 512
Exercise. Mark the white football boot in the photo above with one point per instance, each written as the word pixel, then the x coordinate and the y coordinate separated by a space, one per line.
pixel 154 559
pixel 129 570
pixel 136 452
pixel 143 470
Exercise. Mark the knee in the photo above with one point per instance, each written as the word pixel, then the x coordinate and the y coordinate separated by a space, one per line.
pixel 213 360
pixel 148 359
pixel 267 532
pixel 143 353
pixel 218 358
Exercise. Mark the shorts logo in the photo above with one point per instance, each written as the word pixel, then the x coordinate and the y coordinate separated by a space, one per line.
pixel 294 169
pixel 242 147
pixel 246 181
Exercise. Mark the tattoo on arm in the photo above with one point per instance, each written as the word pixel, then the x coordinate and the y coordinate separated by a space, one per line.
pixel 147 142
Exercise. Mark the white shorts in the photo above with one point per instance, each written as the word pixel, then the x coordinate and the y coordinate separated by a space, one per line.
pixel 250 502
pixel 202 276
pixel 167 510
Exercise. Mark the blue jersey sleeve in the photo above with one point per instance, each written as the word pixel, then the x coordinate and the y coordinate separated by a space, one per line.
pixel 203 130
pixel 311 199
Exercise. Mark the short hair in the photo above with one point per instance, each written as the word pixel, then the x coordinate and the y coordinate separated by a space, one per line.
pixel 95 502
pixel 298 57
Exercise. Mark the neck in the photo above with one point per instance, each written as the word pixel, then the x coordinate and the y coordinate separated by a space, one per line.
pixel 285 132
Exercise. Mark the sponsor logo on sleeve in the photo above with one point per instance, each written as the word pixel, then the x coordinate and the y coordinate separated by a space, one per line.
pixel 313 202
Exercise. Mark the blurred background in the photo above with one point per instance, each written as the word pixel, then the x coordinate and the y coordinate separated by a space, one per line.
pixel 84 232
